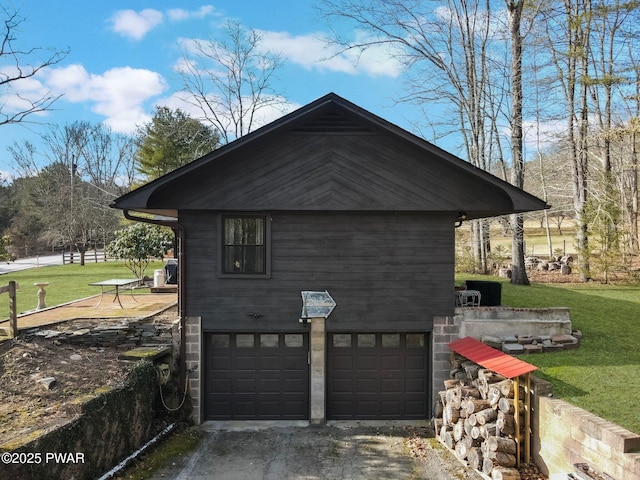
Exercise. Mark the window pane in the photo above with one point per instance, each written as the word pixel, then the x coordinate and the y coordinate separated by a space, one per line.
pixel 341 339
pixel 366 340
pixel 293 340
pixel 244 340
pixel 220 340
pixel 415 340
pixel 240 259
pixel 244 230
pixel 269 340
pixel 390 340
pixel 244 245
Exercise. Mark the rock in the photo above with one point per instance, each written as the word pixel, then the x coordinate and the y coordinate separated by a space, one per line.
pixel 75 357
pixel 493 342
pixel 47 382
pixel 552 347
pixel 513 348
pixel 533 348
pixel 564 339
pixel 525 339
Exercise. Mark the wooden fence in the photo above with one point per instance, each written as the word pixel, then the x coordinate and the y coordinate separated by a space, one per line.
pixel 91 255
pixel 13 313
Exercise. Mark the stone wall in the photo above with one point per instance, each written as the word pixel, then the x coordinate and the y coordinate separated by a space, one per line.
pixel 498 321
pixel 565 435
pixel 109 427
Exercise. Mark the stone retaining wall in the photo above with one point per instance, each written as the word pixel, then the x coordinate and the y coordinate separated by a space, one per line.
pixel 109 427
pixel 498 321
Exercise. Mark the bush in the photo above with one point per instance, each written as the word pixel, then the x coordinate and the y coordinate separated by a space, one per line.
pixel 138 244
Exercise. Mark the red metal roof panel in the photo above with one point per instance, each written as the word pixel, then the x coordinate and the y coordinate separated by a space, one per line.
pixel 491 358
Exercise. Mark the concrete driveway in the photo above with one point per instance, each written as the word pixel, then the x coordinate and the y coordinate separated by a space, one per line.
pixel 341 451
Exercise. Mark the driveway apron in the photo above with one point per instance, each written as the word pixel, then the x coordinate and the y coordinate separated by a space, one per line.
pixel 329 452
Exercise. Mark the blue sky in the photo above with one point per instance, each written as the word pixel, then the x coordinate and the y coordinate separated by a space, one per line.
pixel 123 56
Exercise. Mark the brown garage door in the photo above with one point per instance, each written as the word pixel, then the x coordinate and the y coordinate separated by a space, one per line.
pixel 256 376
pixel 377 376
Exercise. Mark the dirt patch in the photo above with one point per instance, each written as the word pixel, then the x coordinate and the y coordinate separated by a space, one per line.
pixel 30 401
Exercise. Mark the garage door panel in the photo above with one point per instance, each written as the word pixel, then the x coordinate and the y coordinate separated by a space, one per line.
pixel 256 376
pixel 366 362
pixel 219 362
pixel 293 363
pixel 342 385
pixel 414 362
pixel 221 385
pixel 293 385
pixel 270 362
pixel 367 409
pixel 416 386
pixel 266 385
pixel 245 385
pixel 244 363
pixel 388 378
pixel 390 385
pixel 341 362
pixel 391 362
pixel 367 385
pixel 414 408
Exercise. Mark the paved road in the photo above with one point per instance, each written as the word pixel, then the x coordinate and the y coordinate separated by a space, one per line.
pixel 25 263
pixel 315 453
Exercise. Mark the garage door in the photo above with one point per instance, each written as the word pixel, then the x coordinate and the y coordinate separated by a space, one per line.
pixel 256 376
pixel 377 376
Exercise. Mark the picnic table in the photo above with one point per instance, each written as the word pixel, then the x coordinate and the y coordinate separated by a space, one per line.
pixel 117 284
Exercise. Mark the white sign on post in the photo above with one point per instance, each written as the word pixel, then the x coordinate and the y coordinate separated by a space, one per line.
pixel 316 305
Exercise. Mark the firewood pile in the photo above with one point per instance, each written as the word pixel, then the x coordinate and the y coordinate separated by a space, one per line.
pixel 476 419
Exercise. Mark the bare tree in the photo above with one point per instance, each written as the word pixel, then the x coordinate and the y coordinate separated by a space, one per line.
pixel 20 64
pixel 230 80
pixel 88 166
pixel 514 10
pixel 453 56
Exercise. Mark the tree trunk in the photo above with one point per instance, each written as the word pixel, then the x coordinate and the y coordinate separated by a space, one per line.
pixel 518 270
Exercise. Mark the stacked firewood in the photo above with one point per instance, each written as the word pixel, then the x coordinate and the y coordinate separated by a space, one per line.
pixel 475 418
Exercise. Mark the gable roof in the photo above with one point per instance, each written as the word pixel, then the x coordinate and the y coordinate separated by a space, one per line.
pixel 330 155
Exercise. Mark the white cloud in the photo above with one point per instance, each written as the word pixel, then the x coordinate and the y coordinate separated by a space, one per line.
pixel 119 94
pixel 179 14
pixel 263 117
pixel 541 135
pixel 136 25
pixel 313 52
pixel 17 95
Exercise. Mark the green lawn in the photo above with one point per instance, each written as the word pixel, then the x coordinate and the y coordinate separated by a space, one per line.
pixel 67 282
pixel 602 375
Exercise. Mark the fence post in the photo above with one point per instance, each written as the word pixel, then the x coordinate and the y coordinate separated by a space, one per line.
pixel 13 310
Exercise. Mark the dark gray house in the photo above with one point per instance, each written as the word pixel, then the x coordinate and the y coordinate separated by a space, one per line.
pixel 328 198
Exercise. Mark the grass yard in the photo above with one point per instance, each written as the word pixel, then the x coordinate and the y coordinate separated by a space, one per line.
pixel 602 375
pixel 67 283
